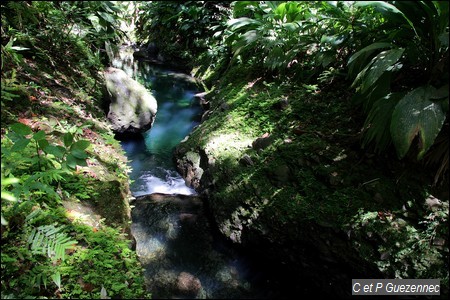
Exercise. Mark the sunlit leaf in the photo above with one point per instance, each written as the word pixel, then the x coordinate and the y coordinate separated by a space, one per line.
pixel 369 49
pixel 386 9
pixel 8 181
pixel 416 115
pixel 56 278
pixel 107 17
pixel 235 24
pixel 18 48
pixel 8 196
pixel 381 63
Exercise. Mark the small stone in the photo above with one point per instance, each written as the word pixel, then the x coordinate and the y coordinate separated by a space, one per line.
pixel 262 142
pixel 246 160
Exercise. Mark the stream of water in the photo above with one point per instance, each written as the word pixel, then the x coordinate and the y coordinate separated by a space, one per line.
pixel 182 254
pixel 178 112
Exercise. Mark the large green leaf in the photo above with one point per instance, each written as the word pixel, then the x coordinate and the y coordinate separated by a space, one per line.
pixel 107 17
pixel 416 114
pixel 68 139
pixel 57 151
pixel 20 144
pixel 40 135
pixel 21 129
pixel 95 21
pixel 369 49
pixel 71 161
pixel 235 24
pixel 388 10
pixel 80 145
pixel 381 63
pixel 358 61
pixel 81 154
pixel 377 124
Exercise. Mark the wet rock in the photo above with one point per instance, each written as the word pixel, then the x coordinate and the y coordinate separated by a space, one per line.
pixel 189 167
pixel 188 284
pixel 132 108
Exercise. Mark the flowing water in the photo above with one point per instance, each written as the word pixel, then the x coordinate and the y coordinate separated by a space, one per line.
pixel 178 112
pixel 181 252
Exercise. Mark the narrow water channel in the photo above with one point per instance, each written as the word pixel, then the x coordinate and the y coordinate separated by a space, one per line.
pixel 178 112
pixel 181 252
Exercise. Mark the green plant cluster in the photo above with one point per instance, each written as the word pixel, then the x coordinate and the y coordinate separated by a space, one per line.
pixel 403 248
pixel 69 260
pixel 39 164
pixel 65 35
pixel 394 54
pixel 181 30
pixel 51 55
pixel 42 251
pixel 39 171
pixel 314 173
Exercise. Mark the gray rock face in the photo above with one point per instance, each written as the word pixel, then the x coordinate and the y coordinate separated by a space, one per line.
pixel 133 108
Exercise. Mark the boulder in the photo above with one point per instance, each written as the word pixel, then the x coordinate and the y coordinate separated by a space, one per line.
pixel 132 108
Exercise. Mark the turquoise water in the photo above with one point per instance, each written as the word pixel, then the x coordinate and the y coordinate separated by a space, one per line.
pixel 173 238
pixel 153 170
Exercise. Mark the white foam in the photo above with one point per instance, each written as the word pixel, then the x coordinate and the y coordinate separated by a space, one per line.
pixel 170 185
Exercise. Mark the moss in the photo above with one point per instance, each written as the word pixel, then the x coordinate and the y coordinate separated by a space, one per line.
pixel 313 173
pixel 111 202
pixel 61 100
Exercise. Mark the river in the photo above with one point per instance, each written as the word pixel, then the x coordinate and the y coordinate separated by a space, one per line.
pixel 182 252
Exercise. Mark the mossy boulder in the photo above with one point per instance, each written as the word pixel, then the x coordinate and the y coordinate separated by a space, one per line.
pixel 132 107
pixel 304 194
pixel 111 203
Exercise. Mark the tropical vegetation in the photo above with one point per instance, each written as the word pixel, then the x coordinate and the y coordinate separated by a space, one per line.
pixel 370 76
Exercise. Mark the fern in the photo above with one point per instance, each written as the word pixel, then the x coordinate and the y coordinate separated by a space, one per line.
pixel 40 183
pixel 50 241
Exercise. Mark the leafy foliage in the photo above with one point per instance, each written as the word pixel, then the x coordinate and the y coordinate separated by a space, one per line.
pixel 51 56
pixel 295 38
pixel 181 30
pixel 413 107
pixel 48 240
pixel 403 249
pixel 387 49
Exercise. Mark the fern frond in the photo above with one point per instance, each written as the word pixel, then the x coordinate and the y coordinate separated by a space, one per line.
pixel 50 241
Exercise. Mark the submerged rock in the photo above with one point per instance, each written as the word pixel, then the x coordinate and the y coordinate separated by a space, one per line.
pixel 178 250
pixel 132 108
